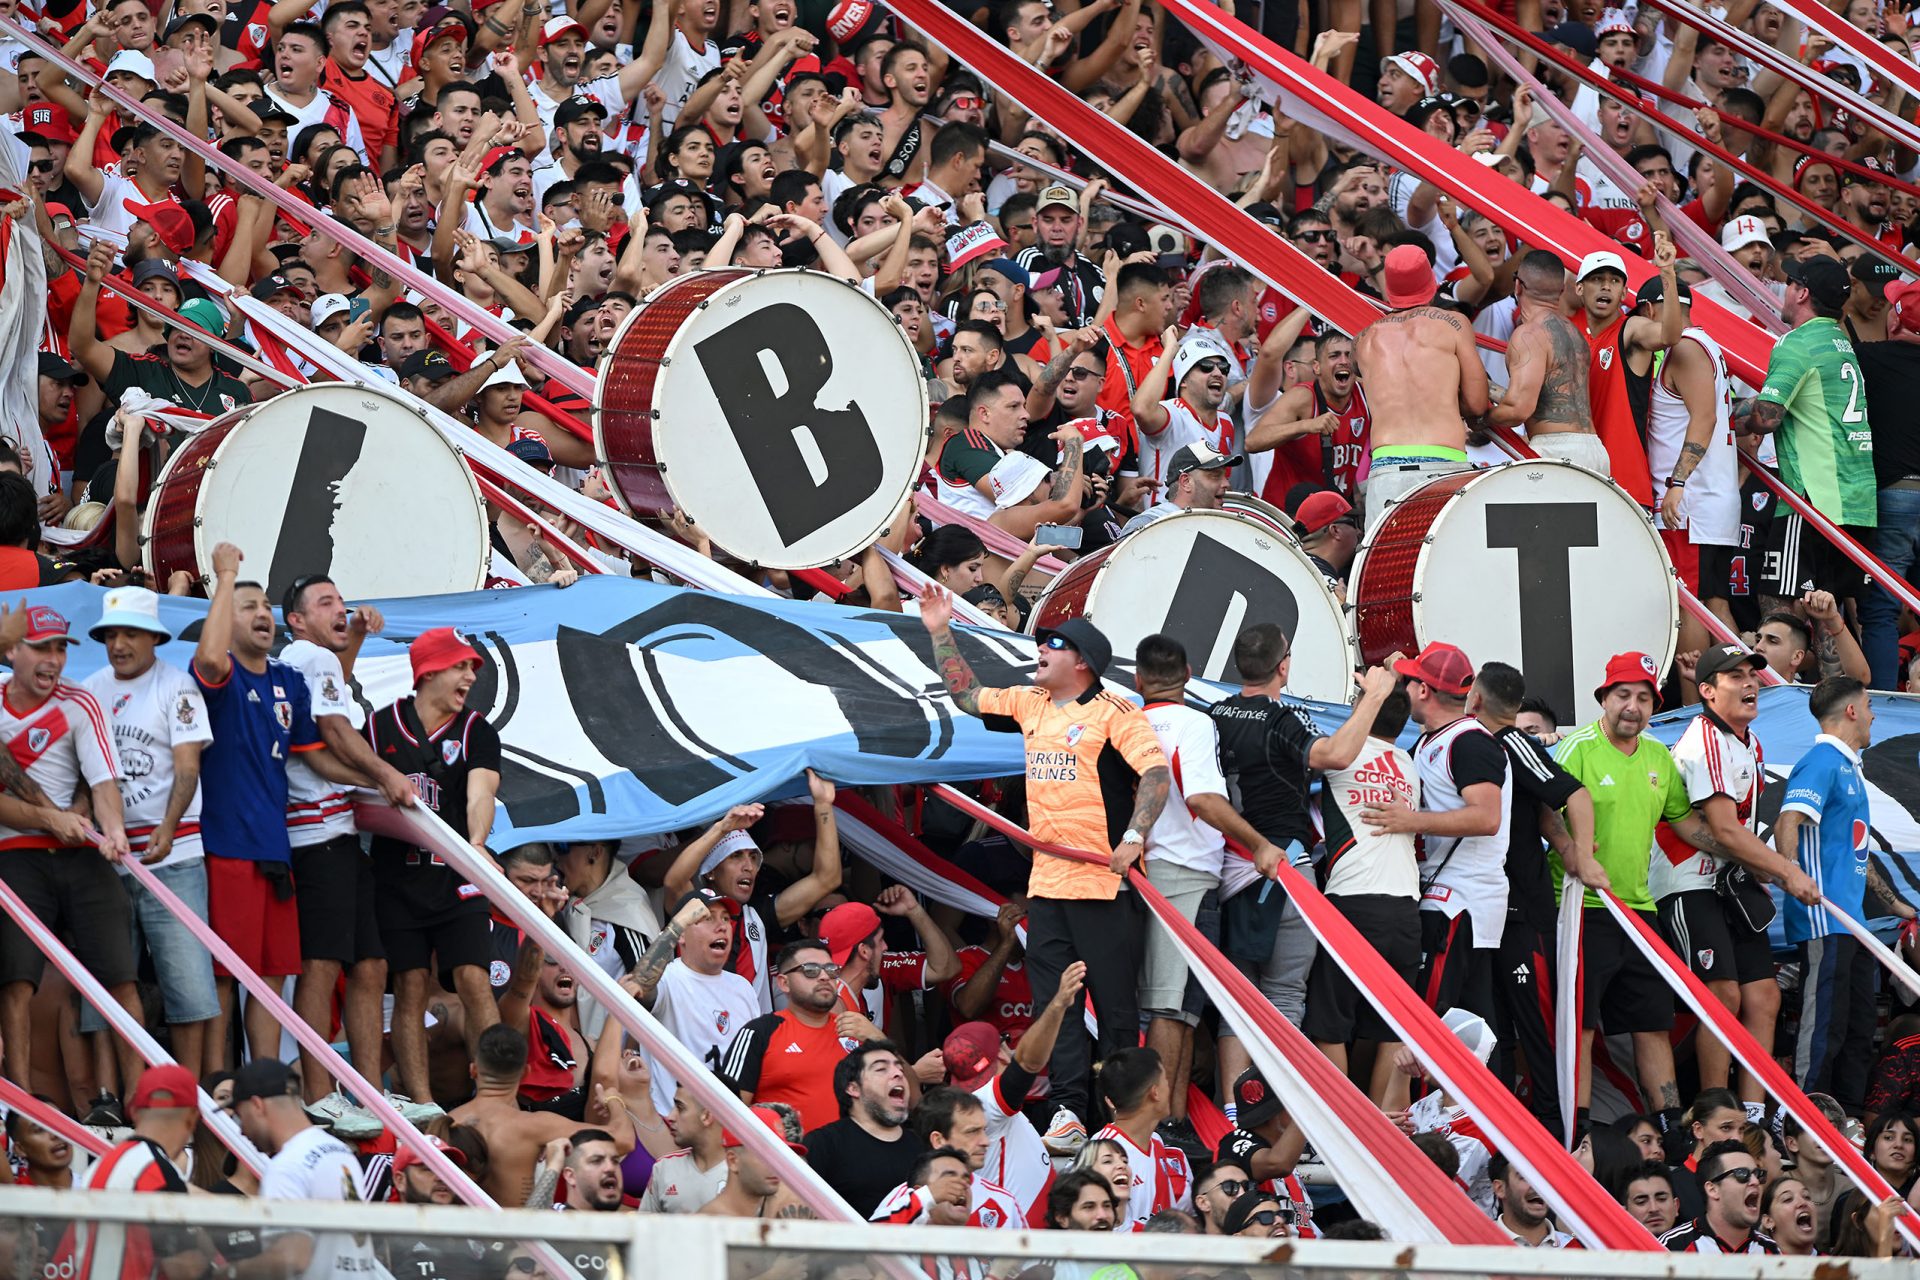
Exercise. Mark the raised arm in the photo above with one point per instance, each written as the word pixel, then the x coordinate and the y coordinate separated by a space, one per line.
pixel 805 893
pixel 936 613
pixel 1341 748
pixel 210 658
pixel 1148 413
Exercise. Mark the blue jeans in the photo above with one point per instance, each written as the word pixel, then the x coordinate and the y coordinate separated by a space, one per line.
pixel 183 966
pixel 1896 540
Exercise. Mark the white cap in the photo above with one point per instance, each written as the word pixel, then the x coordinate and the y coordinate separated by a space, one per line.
pixel 728 845
pixel 1014 478
pixel 559 25
pixel 1421 68
pixel 136 62
pixel 507 375
pixel 1602 261
pixel 1198 345
pixel 1472 1030
pixel 1743 231
pixel 327 306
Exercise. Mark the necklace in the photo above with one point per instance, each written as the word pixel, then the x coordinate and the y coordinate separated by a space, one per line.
pixel 205 399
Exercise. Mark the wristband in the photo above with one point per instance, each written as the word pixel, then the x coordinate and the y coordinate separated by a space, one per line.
pixel 1673 483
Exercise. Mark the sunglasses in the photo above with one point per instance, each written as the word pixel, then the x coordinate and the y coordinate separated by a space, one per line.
pixel 967 102
pixel 1078 374
pixel 1055 643
pixel 1232 1188
pixel 1265 1217
pixel 1742 1175
pixel 814 969
pixel 42 166
pixel 1212 366
pixel 1316 237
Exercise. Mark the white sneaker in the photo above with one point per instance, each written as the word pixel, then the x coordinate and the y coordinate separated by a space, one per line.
pixel 415 1113
pixel 328 1110
pixel 1065 1134
pixel 357 1124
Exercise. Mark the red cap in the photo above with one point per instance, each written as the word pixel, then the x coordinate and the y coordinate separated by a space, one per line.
pixel 162 1088
pixel 846 927
pixel 423 39
pixel 494 157
pixel 438 649
pixel 1904 295
pixel 46 623
pixel 406 1157
pixel 770 1118
pixel 971 1050
pixel 560 25
pixel 1319 510
pixel 1444 666
pixel 1630 668
pixel 846 18
pixel 57 210
pixel 168 220
pixel 1409 277
pixel 49 121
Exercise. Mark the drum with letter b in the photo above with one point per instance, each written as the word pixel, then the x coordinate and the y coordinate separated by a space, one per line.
pixel 1203 577
pixel 335 479
pixel 1539 564
pixel 784 411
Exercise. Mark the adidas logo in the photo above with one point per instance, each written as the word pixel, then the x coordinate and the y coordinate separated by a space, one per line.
pixel 1521 973
pixel 1606 780
pixel 794 1048
pixel 1388 773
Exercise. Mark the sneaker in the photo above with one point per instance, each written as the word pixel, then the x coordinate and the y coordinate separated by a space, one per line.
pixel 1178 1131
pixel 105 1113
pixel 328 1110
pixel 414 1113
pixel 1065 1134
pixel 357 1124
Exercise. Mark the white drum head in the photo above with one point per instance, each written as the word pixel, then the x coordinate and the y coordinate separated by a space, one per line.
pixel 347 481
pixel 1203 578
pixel 791 418
pixel 1550 568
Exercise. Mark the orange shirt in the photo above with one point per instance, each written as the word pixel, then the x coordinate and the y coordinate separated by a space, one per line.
pixel 1116 393
pixel 1065 803
pixel 372 104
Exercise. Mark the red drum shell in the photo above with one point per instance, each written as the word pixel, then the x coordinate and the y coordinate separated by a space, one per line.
pixel 1070 594
pixel 173 512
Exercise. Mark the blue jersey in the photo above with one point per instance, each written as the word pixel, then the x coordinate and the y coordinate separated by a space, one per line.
pixel 258 722
pixel 1828 788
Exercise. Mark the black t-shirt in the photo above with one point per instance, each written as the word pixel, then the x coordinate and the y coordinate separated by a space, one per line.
pixel 860 1166
pixel 438 764
pixel 1537 780
pixel 1892 371
pixel 154 375
pixel 1263 751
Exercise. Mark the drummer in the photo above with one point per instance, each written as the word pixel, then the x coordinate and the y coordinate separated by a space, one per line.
pixel 1197 478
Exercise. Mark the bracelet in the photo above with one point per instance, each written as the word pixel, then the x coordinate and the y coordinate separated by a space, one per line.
pixel 1672 483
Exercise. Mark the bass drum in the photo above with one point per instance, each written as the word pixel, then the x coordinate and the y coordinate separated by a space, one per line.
pixel 347 481
pixel 1203 577
pixel 1247 504
pixel 784 411
pixel 1540 564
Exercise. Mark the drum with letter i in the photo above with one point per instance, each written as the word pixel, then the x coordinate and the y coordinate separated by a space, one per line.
pixel 1203 577
pixel 1540 564
pixel 346 481
pixel 784 411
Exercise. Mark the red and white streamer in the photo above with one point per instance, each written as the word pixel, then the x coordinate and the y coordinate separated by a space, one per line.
pixel 1883 61
pixel 1716 1018
pixel 1902 972
pixel 896 851
pixel 1566 1004
pixel 53 1121
pixel 997 540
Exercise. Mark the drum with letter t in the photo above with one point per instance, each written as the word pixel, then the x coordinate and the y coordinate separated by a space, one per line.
pixel 1540 564
pixel 784 411
pixel 336 479
pixel 1203 577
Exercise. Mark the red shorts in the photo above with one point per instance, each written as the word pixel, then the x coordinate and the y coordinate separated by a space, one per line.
pixel 242 908
pixel 1685 554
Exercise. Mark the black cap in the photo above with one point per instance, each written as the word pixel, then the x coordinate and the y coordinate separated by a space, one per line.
pixel 426 364
pixel 580 307
pixel 1085 639
pixel 270 286
pixel 1725 657
pixel 1257 1102
pixel 1848 177
pixel 1577 36
pixel 264 1078
pixel 1265 212
pixel 985 593
pixel 268 114
pixel 703 893
pixel 1874 272
pixel 1198 457
pixel 186 20
pixel 1823 277
pixel 52 366
pixel 1653 292
pixel 573 108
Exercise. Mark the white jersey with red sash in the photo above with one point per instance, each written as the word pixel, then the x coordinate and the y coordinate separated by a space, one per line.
pixel 1162 1178
pixel 62 744
pixel 1184 426
pixel 1431 1115
pixel 1016 1157
pixel 1287 1189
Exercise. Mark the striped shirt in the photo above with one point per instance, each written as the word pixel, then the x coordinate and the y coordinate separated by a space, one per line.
pixel 62 743
pixel 1713 761
pixel 122 1249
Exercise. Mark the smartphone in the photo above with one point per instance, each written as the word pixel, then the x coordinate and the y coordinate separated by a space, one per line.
pixel 358 308
pixel 1171 261
pixel 1059 535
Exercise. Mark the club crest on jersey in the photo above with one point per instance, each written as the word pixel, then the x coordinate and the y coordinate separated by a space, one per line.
pixel 257 33
pixel 499 973
pixel 1705 956
pixel 450 750
pixel 598 940
pixel 283 712
pixel 1606 357
pixel 989 1216
pixel 1074 734
pixel 722 1019
pixel 38 738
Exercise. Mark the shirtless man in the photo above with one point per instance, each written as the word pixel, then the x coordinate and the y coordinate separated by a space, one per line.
pixel 753 1189
pixel 515 1138
pixel 1421 371
pixel 1547 368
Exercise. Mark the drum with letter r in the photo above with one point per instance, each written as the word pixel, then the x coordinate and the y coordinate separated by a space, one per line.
pixel 1539 564
pixel 1203 577
pixel 336 479
pixel 784 411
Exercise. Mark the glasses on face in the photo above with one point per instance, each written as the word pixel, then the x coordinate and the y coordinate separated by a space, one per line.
pixel 1742 1175
pixel 1077 374
pixel 1212 366
pixel 813 969
pixel 967 102
pixel 42 166
pixel 986 304
pixel 1056 643
pixel 522 1267
pixel 1316 237
pixel 1265 1217
pixel 1231 1188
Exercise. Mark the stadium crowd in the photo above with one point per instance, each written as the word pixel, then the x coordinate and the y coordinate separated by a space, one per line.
pixel 1092 373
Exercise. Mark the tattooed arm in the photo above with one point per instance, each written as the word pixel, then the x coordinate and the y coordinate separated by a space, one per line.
pixel 1754 416
pixel 1149 798
pixel 1878 887
pixel 646 974
pixel 1526 368
pixel 936 612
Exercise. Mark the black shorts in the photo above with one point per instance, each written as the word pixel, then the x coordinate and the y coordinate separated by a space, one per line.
pixel 1799 559
pixel 1619 988
pixel 1717 945
pixel 77 894
pixel 334 882
pixel 452 941
pixel 1336 1012
pixel 1454 973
